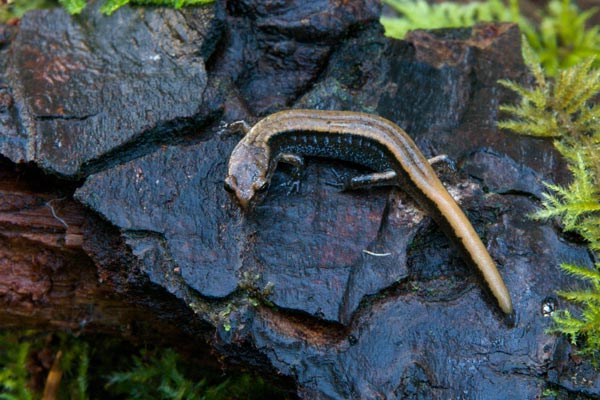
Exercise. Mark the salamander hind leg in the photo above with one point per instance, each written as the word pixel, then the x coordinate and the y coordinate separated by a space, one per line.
pixel 443 158
pixel 385 178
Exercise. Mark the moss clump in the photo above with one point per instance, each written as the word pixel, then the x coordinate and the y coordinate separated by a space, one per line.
pixel 563 109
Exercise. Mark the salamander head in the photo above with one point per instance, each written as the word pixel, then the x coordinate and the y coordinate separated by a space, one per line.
pixel 248 173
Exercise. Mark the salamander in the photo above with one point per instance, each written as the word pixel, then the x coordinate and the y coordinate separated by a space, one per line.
pixel 368 140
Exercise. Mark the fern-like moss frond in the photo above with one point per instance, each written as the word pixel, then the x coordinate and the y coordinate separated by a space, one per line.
pixel 572 203
pixel 588 228
pixel 567 324
pixel 576 327
pixel 534 64
pixel 582 296
pixel 568 94
pixel 588 119
pixel 591 275
pixel 530 128
pixel 536 95
pixel 555 109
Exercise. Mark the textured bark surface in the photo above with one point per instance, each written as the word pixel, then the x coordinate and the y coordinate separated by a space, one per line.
pixel 294 285
pixel 95 90
pixel 62 268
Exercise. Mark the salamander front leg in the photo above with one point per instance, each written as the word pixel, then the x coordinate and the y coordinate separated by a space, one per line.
pixel 297 162
pixel 233 128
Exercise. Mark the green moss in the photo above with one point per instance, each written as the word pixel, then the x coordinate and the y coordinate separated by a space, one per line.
pixel 73 6
pixel 16 8
pixel 88 371
pixel 563 109
pixel 583 329
pixel 160 376
pixel 19 363
pixel 75 363
pixel 419 14
pixel 110 6
pixel 156 376
pixel 561 39
pixel 14 376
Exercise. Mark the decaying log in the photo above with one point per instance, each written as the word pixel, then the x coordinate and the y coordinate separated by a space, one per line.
pixel 61 268
pixel 113 216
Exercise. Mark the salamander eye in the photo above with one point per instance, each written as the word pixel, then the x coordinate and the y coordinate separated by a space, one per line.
pixel 229 183
pixel 260 184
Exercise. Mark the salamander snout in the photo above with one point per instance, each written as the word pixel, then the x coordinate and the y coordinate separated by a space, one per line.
pixel 245 191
